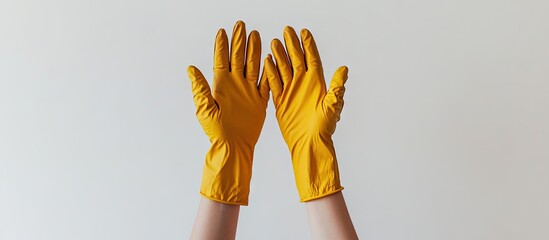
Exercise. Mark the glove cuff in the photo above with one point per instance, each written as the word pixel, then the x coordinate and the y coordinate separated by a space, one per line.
pixel 315 168
pixel 227 173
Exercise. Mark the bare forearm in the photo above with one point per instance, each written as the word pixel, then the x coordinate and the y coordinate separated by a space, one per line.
pixel 329 218
pixel 215 220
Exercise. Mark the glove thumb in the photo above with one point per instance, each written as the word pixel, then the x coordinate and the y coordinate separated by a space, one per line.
pixel 333 101
pixel 202 95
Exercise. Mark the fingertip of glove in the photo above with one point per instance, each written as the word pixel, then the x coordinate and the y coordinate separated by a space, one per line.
pixel 344 69
pixel 255 33
pixel 343 73
pixel 239 26
pixel 305 33
pixel 240 22
pixel 191 70
pixel 275 42
pixel 267 58
pixel 221 31
pixel 193 73
pixel 289 29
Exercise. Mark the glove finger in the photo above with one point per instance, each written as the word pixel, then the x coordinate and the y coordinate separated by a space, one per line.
pixel 253 57
pixel 238 45
pixel 282 63
pixel 264 87
pixel 202 95
pixel 333 101
pixel 312 57
pixel 221 51
pixel 294 49
pixel 274 80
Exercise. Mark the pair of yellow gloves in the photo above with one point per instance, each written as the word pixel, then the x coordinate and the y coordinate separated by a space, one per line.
pixel 232 114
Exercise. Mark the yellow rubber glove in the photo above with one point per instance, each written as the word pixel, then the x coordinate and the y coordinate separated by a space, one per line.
pixel 307 114
pixel 232 115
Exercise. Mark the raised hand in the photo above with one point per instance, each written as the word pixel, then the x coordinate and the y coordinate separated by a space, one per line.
pixel 307 112
pixel 231 115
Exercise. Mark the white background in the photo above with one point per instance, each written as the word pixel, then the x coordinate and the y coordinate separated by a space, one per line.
pixel 444 135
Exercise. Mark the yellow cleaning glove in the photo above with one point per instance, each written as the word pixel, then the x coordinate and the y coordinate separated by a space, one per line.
pixel 307 114
pixel 231 115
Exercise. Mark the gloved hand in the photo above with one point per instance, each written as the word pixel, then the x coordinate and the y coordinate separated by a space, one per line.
pixel 307 114
pixel 232 115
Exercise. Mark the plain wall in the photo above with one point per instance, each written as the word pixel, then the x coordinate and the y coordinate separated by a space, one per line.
pixel 444 133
